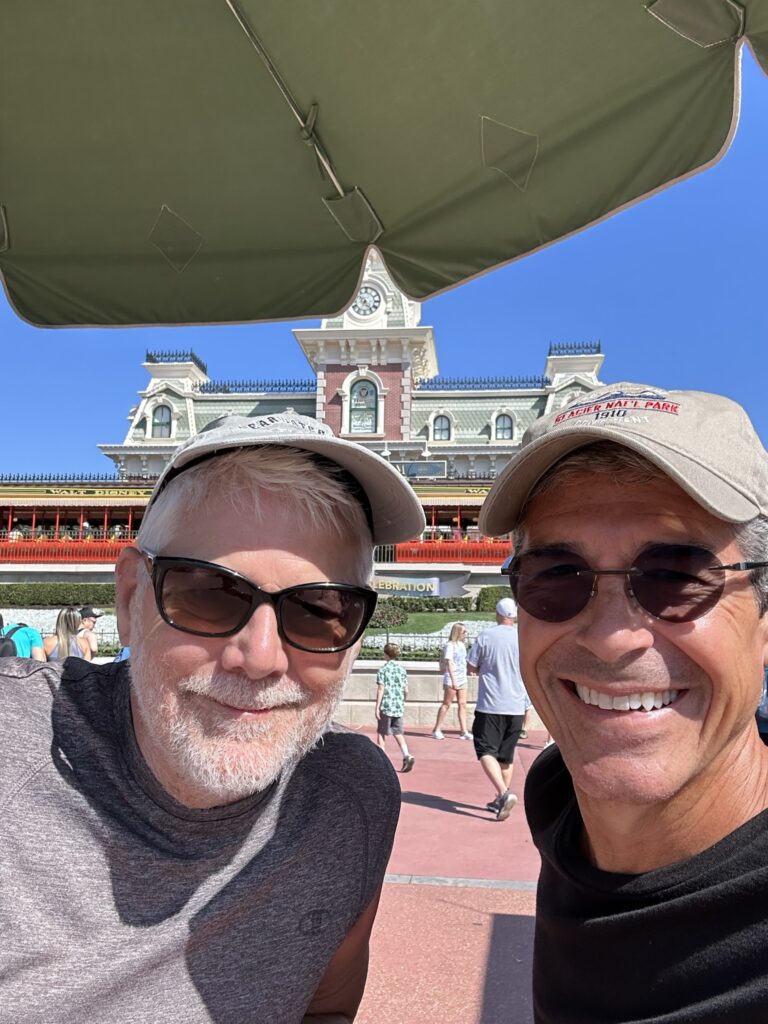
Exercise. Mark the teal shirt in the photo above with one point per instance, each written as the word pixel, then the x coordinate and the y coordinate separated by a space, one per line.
pixel 25 639
pixel 394 679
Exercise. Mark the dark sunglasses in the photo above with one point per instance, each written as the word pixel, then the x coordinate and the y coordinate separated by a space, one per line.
pixel 210 600
pixel 673 582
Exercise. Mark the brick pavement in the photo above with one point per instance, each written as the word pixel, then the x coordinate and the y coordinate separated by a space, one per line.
pixel 453 940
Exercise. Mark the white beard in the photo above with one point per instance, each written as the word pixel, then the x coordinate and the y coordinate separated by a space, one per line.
pixel 222 758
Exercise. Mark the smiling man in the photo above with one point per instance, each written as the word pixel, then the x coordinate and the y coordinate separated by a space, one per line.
pixel 640 526
pixel 189 839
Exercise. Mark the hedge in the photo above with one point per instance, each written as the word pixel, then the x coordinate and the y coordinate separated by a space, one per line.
pixel 377 654
pixel 489 597
pixel 56 595
pixel 388 615
pixel 430 604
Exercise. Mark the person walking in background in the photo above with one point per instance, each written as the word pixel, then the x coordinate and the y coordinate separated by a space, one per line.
pixel 454 666
pixel 27 640
pixel 391 691
pixel 500 710
pixel 65 642
pixel 88 618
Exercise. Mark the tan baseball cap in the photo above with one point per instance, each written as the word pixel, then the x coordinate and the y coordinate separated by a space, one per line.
pixel 704 442
pixel 395 511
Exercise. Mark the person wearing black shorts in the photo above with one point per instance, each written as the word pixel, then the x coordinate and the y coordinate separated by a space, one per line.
pixel 500 711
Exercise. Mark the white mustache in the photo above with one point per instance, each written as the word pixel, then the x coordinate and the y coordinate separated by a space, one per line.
pixel 237 693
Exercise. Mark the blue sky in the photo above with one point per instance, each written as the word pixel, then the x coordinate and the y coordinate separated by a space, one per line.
pixel 675 290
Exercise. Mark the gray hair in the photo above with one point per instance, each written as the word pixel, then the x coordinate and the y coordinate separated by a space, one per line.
pixel 313 491
pixel 628 468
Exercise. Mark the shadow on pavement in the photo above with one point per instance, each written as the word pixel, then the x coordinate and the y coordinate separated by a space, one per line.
pixel 507 986
pixel 441 803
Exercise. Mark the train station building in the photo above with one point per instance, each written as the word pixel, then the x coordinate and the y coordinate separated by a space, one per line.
pixel 373 376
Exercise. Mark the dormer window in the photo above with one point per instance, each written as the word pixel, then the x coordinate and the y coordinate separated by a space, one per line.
pixel 505 428
pixel 441 429
pixel 161 421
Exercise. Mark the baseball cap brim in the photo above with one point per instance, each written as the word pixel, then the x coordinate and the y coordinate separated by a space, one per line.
pixel 89 613
pixel 501 510
pixel 396 512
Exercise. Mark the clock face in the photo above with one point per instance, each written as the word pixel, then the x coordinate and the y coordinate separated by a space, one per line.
pixel 367 302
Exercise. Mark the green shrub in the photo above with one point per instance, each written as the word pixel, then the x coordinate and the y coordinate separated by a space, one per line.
pixel 376 654
pixel 430 604
pixel 56 595
pixel 489 597
pixel 108 650
pixel 388 615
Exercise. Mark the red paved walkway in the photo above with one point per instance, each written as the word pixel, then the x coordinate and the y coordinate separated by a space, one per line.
pixel 452 942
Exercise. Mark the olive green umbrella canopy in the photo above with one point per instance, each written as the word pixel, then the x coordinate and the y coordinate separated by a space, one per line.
pixel 202 161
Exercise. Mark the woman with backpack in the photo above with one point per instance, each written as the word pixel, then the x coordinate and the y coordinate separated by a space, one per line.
pixel 65 643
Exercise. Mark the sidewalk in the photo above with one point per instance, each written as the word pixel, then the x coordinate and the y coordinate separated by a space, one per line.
pixel 453 939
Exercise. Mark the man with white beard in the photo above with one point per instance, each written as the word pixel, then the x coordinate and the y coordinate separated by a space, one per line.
pixel 189 839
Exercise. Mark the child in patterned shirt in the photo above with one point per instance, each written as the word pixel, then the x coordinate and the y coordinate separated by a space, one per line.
pixel 391 689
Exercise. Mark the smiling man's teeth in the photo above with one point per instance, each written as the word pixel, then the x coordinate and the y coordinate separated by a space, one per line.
pixel 647 700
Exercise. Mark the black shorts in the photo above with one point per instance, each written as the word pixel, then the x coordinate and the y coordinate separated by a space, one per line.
pixel 496 735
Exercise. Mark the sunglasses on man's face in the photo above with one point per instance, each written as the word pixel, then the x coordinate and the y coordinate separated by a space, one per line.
pixel 206 599
pixel 672 582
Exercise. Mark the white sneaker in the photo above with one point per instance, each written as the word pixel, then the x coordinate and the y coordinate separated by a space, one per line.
pixel 505 805
pixel 438 735
pixel 465 736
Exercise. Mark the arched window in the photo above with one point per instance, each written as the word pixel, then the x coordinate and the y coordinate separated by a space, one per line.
pixel 363 403
pixel 441 429
pixel 505 428
pixel 161 421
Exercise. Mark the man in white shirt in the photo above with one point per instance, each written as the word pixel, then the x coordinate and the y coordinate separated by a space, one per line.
pixel 501 700
pixel 88 617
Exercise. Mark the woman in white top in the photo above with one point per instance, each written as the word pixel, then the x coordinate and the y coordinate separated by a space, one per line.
pixel 65 643
pixel 454 666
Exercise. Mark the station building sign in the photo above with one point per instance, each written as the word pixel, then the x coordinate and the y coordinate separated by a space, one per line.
pixel 420 586
pixel 398 586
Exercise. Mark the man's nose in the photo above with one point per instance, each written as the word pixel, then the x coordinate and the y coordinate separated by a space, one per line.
pixel 257 649
pixel 613 624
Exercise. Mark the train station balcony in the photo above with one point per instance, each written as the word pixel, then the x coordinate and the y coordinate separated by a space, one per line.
pixel 68 550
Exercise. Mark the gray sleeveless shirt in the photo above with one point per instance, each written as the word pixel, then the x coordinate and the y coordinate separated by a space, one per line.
pixel 119 905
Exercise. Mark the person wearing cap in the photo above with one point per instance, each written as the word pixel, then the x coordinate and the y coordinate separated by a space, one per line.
pixel 501 700
pixel 192 838
pixel 89 615
pixel 639 519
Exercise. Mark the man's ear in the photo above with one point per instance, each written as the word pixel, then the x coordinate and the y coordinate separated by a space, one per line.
pixel 126 583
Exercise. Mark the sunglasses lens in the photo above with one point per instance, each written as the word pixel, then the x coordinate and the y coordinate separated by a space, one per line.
pixel 677 582
pixel 205 600
pixel 323 618
pixel 551 586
